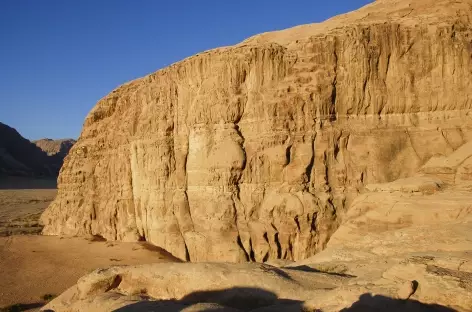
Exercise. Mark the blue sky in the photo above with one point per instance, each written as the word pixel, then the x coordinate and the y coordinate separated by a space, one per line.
pixel 59 57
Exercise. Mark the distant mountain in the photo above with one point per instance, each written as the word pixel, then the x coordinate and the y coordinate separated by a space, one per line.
pixel 20 157
pixel 55 147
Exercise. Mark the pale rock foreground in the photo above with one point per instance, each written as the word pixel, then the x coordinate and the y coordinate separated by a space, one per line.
pixel 256 151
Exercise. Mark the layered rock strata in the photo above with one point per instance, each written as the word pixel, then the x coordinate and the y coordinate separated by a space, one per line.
pixel 405 245
pixel 255 151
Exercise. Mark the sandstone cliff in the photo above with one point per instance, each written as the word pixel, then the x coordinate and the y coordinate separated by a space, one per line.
pixel 401 246
pixel 254 152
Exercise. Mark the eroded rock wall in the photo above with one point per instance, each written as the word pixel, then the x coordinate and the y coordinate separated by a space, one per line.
pixel 253 152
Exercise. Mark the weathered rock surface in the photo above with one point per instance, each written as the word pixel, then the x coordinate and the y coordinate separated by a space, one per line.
pixel 378 162
pixel 413 235
pixel 397 281
pixel 401 246
pixel 255 152
pixel 418 243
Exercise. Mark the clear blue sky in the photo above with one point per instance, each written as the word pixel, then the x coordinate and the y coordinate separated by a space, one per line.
pixel 59 57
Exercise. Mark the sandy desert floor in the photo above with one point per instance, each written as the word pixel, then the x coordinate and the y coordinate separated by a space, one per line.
pixel 32 266
pixel 20 210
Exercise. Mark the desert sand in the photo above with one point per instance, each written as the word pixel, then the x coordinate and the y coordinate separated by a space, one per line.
pixel 32 266
pixel 22 201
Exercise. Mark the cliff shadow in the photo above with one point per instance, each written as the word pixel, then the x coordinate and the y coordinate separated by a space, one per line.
pixel 153 248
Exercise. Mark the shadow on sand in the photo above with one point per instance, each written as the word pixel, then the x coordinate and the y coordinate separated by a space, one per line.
pixel 260 300
pixel 25 183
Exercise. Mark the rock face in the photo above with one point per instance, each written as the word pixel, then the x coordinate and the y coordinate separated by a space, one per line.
pixel 20 157
pixel 405 245
pixel 397 250
pixel 350 139
pixel 255 152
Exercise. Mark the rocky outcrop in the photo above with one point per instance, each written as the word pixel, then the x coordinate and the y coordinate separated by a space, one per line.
pixel 350 139
pixel 396 250
pixel 259 287
pixel 413 233
pixel 229 285
pixel 401 246
pixel 255 152
pixel 20 157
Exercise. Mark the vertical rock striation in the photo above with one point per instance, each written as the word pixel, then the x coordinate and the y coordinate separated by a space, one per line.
pixel 253 152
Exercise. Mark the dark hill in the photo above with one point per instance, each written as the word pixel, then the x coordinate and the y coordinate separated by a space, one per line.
pixel 20 157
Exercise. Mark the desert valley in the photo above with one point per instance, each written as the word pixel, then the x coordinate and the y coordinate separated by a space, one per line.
pixel 35 268
pixel 324 167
